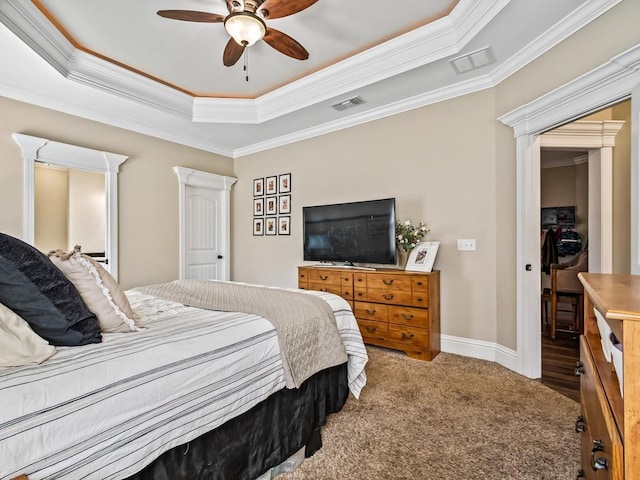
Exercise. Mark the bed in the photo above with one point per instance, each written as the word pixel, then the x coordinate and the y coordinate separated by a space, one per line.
pixel 190 392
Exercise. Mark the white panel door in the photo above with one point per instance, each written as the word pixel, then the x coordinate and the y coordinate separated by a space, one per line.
pixel 205 212
pixel 204 255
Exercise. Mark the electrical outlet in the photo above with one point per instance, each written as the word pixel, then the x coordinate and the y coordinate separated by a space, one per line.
pixel 466 244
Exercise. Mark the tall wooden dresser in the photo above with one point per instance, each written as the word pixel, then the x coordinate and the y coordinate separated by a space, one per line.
pixel 610 419
pixel 394 308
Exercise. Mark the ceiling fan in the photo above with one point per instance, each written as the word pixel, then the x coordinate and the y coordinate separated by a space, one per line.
pixel 246 25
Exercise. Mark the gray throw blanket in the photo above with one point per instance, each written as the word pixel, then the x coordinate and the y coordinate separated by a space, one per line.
pixel 306 326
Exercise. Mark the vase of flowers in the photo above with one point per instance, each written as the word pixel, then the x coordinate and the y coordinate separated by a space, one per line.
pixel 407 237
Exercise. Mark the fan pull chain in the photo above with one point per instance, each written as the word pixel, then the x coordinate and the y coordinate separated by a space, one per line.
pixel 246 64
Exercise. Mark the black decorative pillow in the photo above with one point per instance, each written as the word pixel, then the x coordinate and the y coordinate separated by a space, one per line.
pixel 75 324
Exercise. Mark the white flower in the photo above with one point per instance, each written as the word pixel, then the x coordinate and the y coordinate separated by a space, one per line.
pixel 407 223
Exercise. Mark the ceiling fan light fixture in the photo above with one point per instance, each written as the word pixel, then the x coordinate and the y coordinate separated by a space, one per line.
pixel 245 28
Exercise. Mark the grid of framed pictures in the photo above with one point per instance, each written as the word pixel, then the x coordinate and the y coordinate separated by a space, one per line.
pixel 272 205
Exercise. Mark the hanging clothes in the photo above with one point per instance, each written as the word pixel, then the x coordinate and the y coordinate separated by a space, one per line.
pixel 549 251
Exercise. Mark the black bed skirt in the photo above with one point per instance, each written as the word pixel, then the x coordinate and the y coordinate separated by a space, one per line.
pixel 247 446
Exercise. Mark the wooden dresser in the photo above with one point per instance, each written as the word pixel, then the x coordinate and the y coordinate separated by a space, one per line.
pixel 610 422
pixel 394 308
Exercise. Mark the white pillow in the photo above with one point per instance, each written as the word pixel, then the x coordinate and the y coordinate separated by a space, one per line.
pixel 19 345
pixel 99 290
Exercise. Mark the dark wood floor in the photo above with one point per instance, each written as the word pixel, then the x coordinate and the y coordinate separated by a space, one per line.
pixel 559 359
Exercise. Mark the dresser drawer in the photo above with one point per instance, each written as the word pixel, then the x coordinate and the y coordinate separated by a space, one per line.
pixel 420 284
pixel 411 317
pixel 396 297
pixel 420 299
pixel 371 330
pixel 417 337
pixel 388 282
pixel 601 442
pixel 324 287
pixel 372 311
pixel 323 276
pixel 360 294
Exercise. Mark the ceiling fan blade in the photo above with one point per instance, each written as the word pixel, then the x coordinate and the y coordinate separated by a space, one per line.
pixel 283 8
pixel 232 53
pixel 285 44
pixel 192 16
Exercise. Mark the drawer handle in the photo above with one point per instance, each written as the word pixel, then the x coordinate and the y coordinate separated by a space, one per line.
pixel 599 463
pixel 347 293
pixel 387 282
pixel 359 279
pixel 407 336
pixel 370 312
pixel 580 424
pixel 324 277
pixel 324 289
pixel 579 369
pixel 302 275
pixel 407 317
pixel 419 299
pixel 388 296
pixel 360 294
pixel 371 329
pixel 419 284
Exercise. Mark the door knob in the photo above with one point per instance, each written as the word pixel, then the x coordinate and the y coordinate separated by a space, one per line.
pixel 219 257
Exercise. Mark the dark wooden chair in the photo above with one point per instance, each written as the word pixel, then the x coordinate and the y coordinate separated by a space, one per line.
pixel 566 286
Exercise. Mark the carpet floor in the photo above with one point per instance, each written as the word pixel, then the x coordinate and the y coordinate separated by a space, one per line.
pixel 452 418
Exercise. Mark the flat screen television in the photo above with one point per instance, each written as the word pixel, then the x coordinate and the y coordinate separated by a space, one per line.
pixel 558 217
pixel 353 232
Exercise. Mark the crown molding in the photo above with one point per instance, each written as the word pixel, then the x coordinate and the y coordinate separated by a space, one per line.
pixel 553 36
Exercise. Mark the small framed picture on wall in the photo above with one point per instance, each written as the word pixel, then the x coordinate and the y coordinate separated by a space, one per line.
pixel 270 226
pixel 258 187
pixel 271 205
pixel 283 225
pixel 284 204
pixel 258 207
pixel 284 183
pixel 258 226
pixel 271 185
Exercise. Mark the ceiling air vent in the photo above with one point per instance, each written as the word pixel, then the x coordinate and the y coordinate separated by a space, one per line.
pixel 350 103
pixel 473 60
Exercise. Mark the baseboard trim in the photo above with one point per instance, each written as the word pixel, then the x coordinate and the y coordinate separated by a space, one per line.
pixel 480 349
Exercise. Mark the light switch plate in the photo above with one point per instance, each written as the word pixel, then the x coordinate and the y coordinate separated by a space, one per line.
pixel 467 244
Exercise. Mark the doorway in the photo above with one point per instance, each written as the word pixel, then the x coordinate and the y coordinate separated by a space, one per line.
pixel 584 95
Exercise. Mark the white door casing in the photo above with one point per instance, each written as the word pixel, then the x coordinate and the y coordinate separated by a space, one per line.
pixel 610 83
pixel 205 240
pixel 36 149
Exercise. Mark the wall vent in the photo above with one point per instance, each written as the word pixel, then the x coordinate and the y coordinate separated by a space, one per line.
pixel 350 103
pixel 471 61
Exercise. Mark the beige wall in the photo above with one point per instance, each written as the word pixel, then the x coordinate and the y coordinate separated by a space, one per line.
pixel 148 195
pixel 419 159
pixel 450 164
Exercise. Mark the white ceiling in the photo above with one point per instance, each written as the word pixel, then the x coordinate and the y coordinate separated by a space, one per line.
pixel 119 63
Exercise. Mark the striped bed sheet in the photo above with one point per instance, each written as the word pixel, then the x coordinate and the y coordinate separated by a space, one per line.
pixel 105 411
